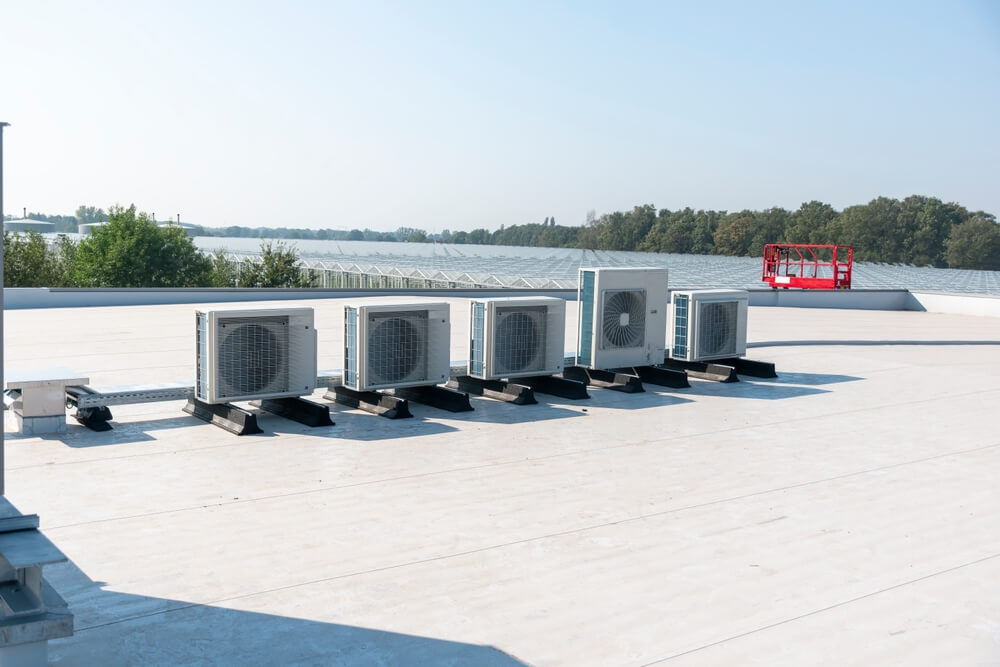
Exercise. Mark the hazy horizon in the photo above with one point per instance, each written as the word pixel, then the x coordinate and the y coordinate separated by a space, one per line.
pixel 447 116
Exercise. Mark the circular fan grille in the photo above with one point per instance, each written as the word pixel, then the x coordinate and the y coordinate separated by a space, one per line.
pixel 716 333
pixel 395 350
pixel 518 342
pixel 250 358
pixel 623 320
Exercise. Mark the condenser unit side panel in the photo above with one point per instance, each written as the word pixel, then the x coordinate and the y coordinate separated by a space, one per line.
pixel 438 345
pixel 301 354
pixel 555 344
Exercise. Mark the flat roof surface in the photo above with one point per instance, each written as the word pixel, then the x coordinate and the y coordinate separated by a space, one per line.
pixel 845 513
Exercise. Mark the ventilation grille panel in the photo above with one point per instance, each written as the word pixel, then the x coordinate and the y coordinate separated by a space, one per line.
pixel 623 319
pixel 717 328
pixel 252 355
pixel 396 347
pixel 519 339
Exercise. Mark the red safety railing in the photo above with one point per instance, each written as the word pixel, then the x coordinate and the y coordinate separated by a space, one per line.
pixel 808 266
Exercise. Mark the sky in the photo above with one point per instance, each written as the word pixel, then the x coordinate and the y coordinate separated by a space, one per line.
pixel 459 115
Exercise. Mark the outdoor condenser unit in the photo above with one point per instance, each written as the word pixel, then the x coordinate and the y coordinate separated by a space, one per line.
pixel 248 354
pixel 516 337
pixel 708 324
pixel 396 345
pixel 622 317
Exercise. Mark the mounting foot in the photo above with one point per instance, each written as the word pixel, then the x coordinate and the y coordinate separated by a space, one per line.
pixel 224 415
pixel 518 394
pixel 436 397
pixel 574 390
pixel 382 405
pixel 757 369
pixel 297 409
pixel 703 371
pixel 96 419
pixel 662 377
pixel 625 382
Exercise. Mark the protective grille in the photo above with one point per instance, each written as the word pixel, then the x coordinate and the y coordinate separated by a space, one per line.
pixel 478 346
pixel 397 347
pixel 717 328
pixel 519 339
pixel 252 355
pixel 680 345
pixel 586 317
pixel 623 319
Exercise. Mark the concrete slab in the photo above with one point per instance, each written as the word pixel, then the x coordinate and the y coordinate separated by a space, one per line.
pixel 845 512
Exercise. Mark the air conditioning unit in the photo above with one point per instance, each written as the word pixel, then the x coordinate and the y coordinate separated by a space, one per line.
pixel 396 345
pixel 622 317
pixel 517 337
pixel 708 324
pixel 247 354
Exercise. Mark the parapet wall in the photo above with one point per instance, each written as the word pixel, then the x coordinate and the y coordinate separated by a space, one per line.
pixel 16 298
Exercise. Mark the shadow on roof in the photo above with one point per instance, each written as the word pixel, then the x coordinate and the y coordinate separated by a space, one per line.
pixel 114 628
pixel 919 343
pixel 809 379
pixel 754 390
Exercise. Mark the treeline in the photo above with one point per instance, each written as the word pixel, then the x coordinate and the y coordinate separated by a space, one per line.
pixel 132 250
pixel 923 231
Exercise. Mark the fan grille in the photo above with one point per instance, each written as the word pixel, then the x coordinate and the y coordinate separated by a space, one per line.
pixel 397 344
pixel 717 328
pixel 623 319
pixel 253 355
pixel 519 339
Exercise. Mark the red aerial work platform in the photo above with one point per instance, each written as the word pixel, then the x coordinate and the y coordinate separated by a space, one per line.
pixel 807 265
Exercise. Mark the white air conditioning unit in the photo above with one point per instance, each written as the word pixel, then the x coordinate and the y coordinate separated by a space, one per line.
pixel 517 337
pixel 708 324
pixel 622 317
pixel 396 345
pixel 261 353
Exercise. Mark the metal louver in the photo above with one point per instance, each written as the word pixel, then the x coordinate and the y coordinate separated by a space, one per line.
pixel 623 319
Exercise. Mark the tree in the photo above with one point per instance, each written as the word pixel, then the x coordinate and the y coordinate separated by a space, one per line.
pixel 85 214
pixel 355 235
pixel 277 266
pixel 30 262
pixel 133 251
pixel 735 234
pixel 810 223
pixel 974 244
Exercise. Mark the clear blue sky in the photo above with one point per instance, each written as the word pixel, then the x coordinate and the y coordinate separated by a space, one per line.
pixel 450 115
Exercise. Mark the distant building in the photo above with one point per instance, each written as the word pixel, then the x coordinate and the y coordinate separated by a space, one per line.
pixel 29 225
pixel 85 228
pixel 190 230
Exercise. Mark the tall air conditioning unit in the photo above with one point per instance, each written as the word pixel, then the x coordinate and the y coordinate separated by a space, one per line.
pixel 622 317
pixel 516 337
pixel 708 324
pixel 254 354
pixel 396 345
